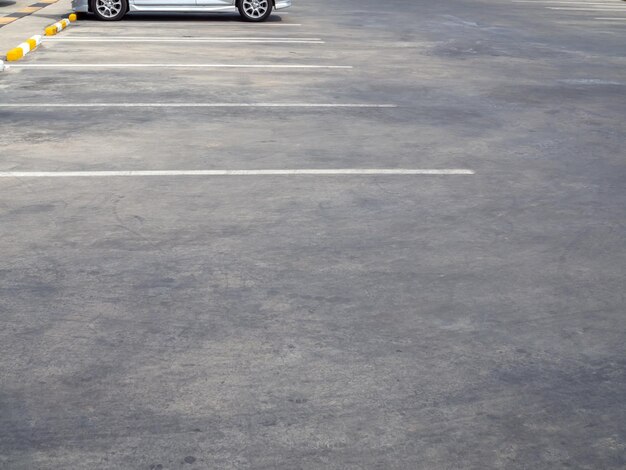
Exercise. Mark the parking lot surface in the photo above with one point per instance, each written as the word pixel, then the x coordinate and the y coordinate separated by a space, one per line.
pixel 361 235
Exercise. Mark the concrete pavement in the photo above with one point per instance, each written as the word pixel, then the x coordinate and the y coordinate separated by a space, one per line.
pixel 317 321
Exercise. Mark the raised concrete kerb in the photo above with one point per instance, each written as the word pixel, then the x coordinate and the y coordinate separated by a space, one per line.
pixel 60 25
pixel 31 43
pixel 20 51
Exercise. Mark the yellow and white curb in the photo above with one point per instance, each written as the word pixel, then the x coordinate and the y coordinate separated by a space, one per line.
pixel 23 49
pixel 60 25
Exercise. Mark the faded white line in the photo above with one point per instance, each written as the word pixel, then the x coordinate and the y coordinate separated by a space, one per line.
pixel 294 172
pixel 187 40
pixel 611 19
pixel 166 65
pixel 549 2
pixel 597 9
pixel 590 81
pixel 195 105
pixel 178 38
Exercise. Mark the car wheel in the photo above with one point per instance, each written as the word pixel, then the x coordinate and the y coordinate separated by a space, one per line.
pixel 109 10
pixel 255 10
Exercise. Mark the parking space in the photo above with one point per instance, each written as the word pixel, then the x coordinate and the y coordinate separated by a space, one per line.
pixel 202 67
pixel 604 11
pixel 350 237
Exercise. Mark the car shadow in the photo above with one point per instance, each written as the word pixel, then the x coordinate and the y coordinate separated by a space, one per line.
pixel 51 16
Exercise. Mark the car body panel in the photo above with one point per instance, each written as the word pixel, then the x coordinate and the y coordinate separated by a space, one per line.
pixel 80 6
pixel 182 6
pixel 216 3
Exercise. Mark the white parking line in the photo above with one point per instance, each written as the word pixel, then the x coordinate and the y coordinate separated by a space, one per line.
pixel 611 19
pixel 318 172
pixel 191 40
pixel 597 9
pixel 166 65
pixel 195 105
pixel 180 38
pixel 550 2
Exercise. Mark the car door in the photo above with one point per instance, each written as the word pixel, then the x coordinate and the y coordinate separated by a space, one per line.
pixel 226 4
pixel 165 5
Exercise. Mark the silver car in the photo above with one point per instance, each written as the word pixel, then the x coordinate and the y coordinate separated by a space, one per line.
pixel 111 10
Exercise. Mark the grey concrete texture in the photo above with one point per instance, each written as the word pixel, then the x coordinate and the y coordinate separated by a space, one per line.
pixel 321 322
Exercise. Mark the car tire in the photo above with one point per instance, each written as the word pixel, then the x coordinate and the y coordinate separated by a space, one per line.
pixel 255 10
pixel 109 10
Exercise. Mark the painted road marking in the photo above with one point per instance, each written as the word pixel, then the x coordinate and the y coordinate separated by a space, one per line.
pixel 195 105
pixel 189 40
pixel 231 66
pixel 25 11
pixel 181 38
pixel 549 2
pixel 295 172
pixel 597 9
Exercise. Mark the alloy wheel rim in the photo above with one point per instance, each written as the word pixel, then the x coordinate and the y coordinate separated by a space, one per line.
pixel 109 8
pixel 255 8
